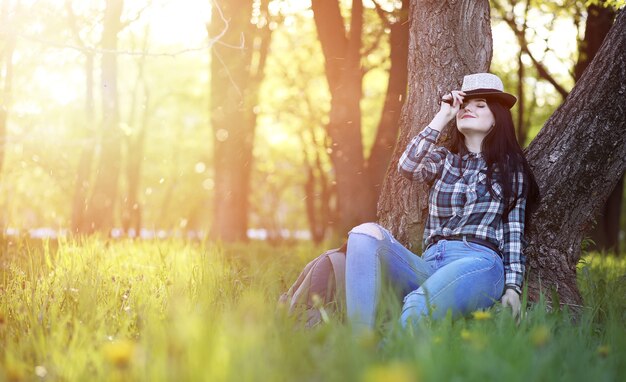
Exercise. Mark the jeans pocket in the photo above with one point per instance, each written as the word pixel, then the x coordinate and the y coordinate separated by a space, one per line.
pixel 480 248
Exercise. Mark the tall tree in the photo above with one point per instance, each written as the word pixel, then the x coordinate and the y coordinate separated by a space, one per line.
pixel 358 179
pixel 605 233
pixel 388 126
pixel 578 158
pixel 99 214
pixel 80 199
pixel 446 41
pixel 236 75
pixel 134 145
pixel 7 18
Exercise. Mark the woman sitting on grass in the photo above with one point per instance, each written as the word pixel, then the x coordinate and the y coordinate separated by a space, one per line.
pixel 474 234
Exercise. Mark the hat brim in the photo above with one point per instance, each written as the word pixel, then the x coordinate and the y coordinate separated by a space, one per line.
pixel 506 99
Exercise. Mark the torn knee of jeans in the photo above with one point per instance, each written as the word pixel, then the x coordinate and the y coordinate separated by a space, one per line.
pixel 369 229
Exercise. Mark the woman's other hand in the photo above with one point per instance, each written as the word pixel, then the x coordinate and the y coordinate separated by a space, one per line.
pixel 511 298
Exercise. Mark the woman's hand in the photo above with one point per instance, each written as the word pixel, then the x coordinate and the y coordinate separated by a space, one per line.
pixel 511 298
pixel 450 105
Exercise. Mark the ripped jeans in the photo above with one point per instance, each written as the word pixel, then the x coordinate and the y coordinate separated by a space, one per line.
pixel 451 275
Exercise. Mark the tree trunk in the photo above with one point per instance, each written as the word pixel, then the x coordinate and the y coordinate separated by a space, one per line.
pixel 387 132
pixel 99 215
pixel 446 42
pixel 578 158
pixel 605 234
pixel 318 194
pixel 342 54
pixel 236 75
pixel 521 101
pixel 80 200
pixel 6 60
pixel 6 97
pixel 131 208
pixel 599 22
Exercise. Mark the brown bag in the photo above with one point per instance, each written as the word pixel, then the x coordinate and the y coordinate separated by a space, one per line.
pixel 319 289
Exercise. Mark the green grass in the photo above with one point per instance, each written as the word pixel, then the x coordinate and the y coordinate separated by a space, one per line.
pixel 173 310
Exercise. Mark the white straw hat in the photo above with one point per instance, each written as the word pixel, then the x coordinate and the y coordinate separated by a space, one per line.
pixel 488 86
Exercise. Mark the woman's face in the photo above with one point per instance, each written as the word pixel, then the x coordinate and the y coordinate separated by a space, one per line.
pixel 474 117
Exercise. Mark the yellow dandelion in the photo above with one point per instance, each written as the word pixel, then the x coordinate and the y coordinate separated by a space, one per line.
pixel 119 353
pixel 540 336
pixel 481 315
pixel 393 372
pixel 604 350
pixel 466 335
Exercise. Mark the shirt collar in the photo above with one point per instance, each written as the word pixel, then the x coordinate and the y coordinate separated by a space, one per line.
pixel 472 155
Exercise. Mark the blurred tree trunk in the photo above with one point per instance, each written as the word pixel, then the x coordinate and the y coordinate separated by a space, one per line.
pixel 131 208
pixel 318 191
pixel 99 215
pixel 389 125
pixel 357 179
pixel 578 158
pixel 80 199
pixel 344 74
pixel 599 22
pixel 605 234
pixel 6 66
pixel 521 102
pixel 446 41
pixel 236 75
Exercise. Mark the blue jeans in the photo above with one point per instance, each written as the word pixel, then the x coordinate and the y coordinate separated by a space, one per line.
pixel 451 275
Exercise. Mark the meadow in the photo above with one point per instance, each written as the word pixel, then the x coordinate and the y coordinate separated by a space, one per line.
pixel 101 310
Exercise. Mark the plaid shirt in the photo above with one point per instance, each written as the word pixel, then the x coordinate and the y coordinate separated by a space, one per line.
pixel 461 204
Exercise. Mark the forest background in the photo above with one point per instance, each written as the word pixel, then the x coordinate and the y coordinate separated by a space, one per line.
pixel 109 123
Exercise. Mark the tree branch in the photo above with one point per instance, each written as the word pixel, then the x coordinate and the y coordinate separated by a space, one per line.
pixel 382 14
pixel 541 70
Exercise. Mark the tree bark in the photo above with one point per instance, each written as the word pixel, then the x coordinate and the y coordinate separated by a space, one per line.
pixel 388 127
pixel 99 216
pixel 605 234
pixel 236 75
pixel 446 42
pixel 344 74
pixel 578 158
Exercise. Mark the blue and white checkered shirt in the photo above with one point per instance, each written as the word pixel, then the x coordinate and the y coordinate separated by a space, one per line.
pixel 460 203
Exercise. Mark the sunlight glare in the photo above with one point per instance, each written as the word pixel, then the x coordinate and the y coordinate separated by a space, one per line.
pixel 179 22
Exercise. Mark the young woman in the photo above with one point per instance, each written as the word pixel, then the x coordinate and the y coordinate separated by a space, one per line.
pixel 474 234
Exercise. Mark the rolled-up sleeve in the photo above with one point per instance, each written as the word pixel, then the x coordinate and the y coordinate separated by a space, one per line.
pixel 423 159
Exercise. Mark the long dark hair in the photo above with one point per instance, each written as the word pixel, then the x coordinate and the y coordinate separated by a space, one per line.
pixel 505 159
